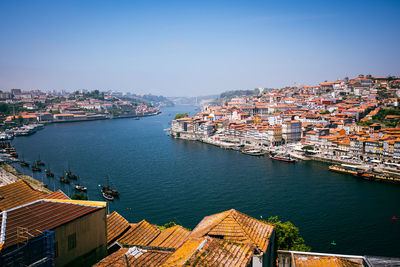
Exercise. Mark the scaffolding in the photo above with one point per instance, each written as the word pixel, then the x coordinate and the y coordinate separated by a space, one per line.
pixel 37 251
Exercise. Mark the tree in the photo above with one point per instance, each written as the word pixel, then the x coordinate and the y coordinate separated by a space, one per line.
pixel 79 196
pixel 288 236
pixel 307 148
pixel 181 115
pixel 4 108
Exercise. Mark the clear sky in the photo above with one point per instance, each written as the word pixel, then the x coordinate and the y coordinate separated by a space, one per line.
pixel 200 47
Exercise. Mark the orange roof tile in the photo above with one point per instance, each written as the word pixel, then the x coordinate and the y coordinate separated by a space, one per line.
pixel 235 226
pixel 140 234
pixel 116 226
pixel 171 237
pixel 212 252
pixel 149 257
pixel 18 193
pixel 302 260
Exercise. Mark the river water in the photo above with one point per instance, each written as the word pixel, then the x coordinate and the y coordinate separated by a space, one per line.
pixel 162 179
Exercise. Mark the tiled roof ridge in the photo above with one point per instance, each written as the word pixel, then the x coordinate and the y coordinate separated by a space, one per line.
pixel 235 212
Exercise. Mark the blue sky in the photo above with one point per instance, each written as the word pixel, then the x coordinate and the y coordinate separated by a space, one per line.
pixel 194 47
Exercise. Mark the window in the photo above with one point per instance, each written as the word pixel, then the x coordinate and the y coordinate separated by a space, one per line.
pixel 72 241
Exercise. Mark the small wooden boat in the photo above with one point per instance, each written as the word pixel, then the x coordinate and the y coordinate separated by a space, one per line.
pixel 64 180
pixel 80 188
pixel 24 164
pixel 48 172
pixel 39 162
pixel 107 189
pixel 108 197
pixel 36 168
pixel 70 175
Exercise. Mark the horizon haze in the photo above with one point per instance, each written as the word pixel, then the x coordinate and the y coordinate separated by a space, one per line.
pixel 181 48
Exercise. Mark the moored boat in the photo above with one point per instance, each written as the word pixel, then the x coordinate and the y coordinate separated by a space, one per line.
pixel 254 152
pixel 36 168
pixel 106 189
pixel 341 169
pixel 64 180
pixel 285 158
pixel 80 188
pixel 108 197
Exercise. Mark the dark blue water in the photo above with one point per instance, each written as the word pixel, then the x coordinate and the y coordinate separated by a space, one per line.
pixel 161 179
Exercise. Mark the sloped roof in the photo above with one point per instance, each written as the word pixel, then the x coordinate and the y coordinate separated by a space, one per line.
pixel 209 251
pixel 142 257
pixel 57 195
pixel 41 215
pixel 235 226
pixel 171 237
pixel 306 260
pixel 116 225
pixel 140 234
pixel 18 193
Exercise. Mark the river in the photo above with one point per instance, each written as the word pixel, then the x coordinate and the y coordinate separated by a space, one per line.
pixel 162 179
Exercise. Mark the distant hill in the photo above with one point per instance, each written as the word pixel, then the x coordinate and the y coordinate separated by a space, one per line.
pixel 154 100
pixel 193 101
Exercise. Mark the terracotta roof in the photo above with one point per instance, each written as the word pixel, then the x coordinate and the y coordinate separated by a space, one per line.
pixel 211 252
pixel 145 257
pixel 41 215
pixel 171 237
pixel 305 260
pixel 235 226
pixel 140 234
pixel 57 195
pixel 116 226
pixel 18 193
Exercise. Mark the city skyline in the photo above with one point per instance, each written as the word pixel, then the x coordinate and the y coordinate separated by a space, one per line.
pixel 190 49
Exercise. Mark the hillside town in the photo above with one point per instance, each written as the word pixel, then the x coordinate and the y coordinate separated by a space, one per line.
pixel 353 121
pixel 22 111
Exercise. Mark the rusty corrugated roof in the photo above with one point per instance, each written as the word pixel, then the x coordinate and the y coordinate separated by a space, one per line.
pixel 38 216
pixel 18 193
pixel 235 226
pixel 141 234
pixel 116 226
pixel 307 260
pixel 149 257
pixel 209 251
pixel 171 237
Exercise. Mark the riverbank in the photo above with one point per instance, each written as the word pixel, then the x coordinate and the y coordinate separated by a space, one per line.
pixel 30 129
pixel 380 173
pixel 9 174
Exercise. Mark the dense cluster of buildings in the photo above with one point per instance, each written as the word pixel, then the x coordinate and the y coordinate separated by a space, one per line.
pixel 45 107
pixel 333 117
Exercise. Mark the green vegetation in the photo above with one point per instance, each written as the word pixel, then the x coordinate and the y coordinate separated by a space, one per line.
pixel 167 225
pixel 307 147
pixel 323 112
pixel 288 236
pixel 95 94
pixel 380 117
pixel 180 115
pixel 79 196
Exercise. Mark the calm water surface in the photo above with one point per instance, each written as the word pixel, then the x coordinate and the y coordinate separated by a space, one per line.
pixel 161 179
